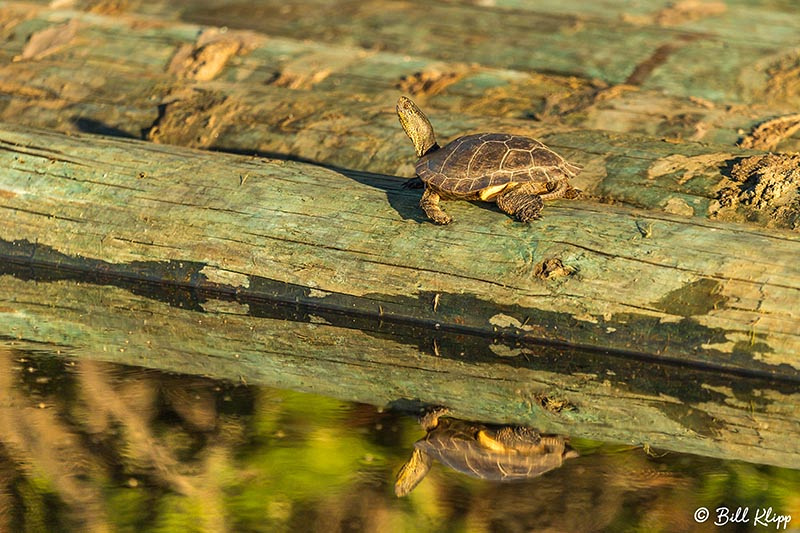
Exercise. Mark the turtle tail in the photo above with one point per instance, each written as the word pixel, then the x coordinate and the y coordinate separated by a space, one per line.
pixel 414 183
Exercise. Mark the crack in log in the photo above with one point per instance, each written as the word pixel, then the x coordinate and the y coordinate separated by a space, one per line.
pixel 39 213
pixel 44 153
pixel 184 204
pixel 656 59
pixel 678 268
pixel 313 244
pixel 94 182
pixel 133 241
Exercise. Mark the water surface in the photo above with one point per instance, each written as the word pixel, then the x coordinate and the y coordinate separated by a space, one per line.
pixel 86 445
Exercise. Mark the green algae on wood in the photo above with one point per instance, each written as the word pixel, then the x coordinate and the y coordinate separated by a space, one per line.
pixel 122 90
pixel 358 244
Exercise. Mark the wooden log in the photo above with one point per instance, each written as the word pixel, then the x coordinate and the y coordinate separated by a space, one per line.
pixel 343 130
pixel 733 52
pixel 98 69
pixel 90 316
pixel 605 277
pixel 694 315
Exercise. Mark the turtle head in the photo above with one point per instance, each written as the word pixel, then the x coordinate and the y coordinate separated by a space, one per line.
pixel 416 125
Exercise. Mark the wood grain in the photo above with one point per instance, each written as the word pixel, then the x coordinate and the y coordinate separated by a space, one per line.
pixel 642 283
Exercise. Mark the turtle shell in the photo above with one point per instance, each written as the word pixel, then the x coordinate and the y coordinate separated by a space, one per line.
pixel 525 453
pixel 473 163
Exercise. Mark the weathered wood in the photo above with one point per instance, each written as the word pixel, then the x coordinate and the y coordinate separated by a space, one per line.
pixel 687 179
pixel 154 58
pixel 334 127
pixel 636 282
pixel 339 129
pixel 656 45
pixel 693 310
pixel 363 359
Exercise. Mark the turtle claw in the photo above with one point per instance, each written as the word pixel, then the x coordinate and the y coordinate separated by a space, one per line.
pixel 442 218
pixel 529 213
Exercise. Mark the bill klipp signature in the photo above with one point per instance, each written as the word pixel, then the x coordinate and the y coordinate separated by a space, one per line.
pixel 760 516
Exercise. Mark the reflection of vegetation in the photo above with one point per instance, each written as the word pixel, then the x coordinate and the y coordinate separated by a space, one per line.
pixel 89 446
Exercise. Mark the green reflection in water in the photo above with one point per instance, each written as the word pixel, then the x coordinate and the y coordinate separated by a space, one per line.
pixel 98 447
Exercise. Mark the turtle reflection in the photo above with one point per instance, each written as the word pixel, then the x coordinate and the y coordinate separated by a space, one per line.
pixel 501 453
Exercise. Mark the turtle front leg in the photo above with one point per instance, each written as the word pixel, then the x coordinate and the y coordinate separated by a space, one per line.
pixel 430 204
pixel 522 201
pixel 412 472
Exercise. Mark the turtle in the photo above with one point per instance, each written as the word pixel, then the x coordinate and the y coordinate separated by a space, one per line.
pixel 484 451
pixel 516 172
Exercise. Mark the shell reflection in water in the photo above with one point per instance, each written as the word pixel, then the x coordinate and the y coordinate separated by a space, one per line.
pixel 484 451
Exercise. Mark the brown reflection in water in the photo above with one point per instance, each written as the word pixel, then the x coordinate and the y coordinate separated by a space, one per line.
pixel 131 407
pixel 36 441
pixel 96 432
pixel 589 494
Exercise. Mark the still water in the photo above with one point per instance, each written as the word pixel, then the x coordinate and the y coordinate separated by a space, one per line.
pixel 91 446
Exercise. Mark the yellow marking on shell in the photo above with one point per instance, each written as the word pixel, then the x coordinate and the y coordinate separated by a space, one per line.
pixel 490 192
pixel 490 443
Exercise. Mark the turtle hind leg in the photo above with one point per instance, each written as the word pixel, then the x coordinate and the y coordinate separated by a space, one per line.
pixel 430 204
pixel 412 472
pixel 522 201
pixel 571 193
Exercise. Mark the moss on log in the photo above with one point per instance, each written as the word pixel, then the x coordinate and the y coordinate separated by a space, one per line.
pixel 661 45
pixel 634 282
pixel 157 94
